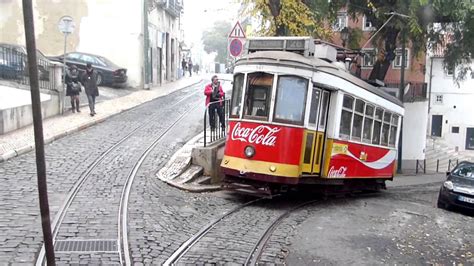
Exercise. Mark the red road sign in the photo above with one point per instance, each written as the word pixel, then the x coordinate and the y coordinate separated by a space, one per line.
pixel 235 47
pixel 237 31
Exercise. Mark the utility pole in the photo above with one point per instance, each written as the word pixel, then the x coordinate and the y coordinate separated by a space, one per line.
pixel 401 92
pixel 38 130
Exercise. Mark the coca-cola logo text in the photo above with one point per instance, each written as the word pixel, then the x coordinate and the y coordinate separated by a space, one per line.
pixel 337 173
pixel 263 135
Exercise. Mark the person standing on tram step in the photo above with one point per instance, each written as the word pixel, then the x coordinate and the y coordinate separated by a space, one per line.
pixel 190 67
pixel 73 87
pixel 183 65
pixel 89 80
pixel 214 101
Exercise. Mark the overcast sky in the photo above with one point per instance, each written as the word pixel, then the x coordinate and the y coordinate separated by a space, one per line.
pixel 200 15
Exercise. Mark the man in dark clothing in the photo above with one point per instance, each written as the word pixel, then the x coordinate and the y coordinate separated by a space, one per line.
pixel 190 67
pixel 89 80
pixel 183 65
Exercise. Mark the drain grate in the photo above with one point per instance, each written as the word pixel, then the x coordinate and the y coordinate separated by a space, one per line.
pixel 86 245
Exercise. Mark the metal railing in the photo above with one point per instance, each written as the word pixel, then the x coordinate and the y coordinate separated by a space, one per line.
pixel 14 66
pixel 216 129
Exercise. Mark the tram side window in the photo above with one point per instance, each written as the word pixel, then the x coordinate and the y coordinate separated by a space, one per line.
pixel 257 96
pixel 324 108
pixel 386 128
pixel 377 126
pixel 358 117
pixel 346 117
pixel 237 95
pixel 368 122
pixel 290 99
pixel 393 130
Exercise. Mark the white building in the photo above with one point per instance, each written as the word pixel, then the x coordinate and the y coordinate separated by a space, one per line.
pixel 113 29
pixel 451 110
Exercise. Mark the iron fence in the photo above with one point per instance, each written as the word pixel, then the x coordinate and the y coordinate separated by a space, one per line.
pixel 216 128
pixel 14 66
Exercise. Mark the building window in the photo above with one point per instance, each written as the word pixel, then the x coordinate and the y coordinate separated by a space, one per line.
pixel 368 59
pixel 439 99
pixel 397 62
pixel 455 130
pixel 449 71
pixel 340 23
pixel 367 25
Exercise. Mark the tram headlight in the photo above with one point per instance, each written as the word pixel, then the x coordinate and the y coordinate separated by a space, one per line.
pixel 249 151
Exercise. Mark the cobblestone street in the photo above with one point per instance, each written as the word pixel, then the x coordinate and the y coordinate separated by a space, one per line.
pixel 400 225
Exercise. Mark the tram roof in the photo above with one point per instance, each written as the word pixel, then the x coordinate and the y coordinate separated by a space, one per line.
pixel 291 59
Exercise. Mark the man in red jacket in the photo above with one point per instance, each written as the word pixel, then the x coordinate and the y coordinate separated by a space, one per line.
pixel 215 102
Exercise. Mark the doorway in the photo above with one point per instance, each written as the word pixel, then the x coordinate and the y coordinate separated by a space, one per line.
pixel 436 125
pixel 470 138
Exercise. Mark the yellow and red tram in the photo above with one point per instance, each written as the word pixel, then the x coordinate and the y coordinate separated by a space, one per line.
pixel 299 119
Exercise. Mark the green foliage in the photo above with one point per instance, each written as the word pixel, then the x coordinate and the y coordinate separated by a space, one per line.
pixel 355 36
pixel 454 17
pixel 215 40
pixel 293 17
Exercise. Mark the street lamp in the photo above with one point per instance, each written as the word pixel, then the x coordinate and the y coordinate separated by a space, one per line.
pixel 344 36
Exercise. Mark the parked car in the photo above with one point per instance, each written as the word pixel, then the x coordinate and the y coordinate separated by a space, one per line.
pixel 458 189
pixel 108 72
pixel 17 54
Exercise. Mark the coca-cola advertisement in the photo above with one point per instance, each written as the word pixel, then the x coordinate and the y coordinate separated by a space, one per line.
pixel 272 143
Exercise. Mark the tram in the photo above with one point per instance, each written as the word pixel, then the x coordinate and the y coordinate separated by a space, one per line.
pixel 297 118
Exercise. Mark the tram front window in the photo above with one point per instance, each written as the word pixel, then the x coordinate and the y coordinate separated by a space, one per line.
pixel 257 96
pixel 291 98
pixel 237 95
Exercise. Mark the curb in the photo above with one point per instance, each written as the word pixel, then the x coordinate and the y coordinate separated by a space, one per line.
pixel 29 147
pixel 188 187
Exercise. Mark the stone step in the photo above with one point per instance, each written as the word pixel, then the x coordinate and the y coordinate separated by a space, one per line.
pixel 190 175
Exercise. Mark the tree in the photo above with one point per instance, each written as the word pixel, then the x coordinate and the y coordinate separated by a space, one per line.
pixel 456 17
pixel 215 40
pixel 293 17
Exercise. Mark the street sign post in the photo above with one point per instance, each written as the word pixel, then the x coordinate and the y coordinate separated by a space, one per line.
pixel 66 26
pixel 236 40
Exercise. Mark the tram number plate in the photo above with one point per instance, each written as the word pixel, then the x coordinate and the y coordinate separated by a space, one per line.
pixel 466 199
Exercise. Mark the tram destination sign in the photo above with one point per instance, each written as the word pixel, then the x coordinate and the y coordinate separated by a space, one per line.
pixel 301 45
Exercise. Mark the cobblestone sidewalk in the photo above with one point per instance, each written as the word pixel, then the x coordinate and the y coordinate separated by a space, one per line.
pixel 21 141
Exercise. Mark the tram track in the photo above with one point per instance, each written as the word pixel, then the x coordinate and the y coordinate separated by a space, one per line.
pixel 122 238
pixel 254 253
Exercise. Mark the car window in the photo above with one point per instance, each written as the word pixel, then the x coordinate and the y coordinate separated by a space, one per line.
pixel 466 170
pixel 74 56
pixel 88 59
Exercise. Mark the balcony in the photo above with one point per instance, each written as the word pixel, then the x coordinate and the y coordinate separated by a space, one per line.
pixel 173 7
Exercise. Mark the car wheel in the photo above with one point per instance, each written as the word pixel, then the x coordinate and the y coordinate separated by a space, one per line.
pixel 443 205
pixel 99 79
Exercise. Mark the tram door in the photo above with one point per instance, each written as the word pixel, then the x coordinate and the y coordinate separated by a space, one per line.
pixel 314 136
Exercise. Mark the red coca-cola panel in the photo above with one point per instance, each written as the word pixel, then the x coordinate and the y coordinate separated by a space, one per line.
pixel 361 160
pixel 272 143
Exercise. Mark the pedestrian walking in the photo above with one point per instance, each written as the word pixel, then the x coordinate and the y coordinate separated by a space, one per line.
pixel 190 67
pixel 214 101
pixel 89 80
pixel 183 65
pixel 73 87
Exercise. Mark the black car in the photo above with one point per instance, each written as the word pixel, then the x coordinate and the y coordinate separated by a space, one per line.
pixel 108 72
pixel 13 58
pixel 458 189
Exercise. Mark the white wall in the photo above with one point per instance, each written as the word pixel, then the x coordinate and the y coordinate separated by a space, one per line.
pixel 457 107
pixel 113 28
pixel 414 131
